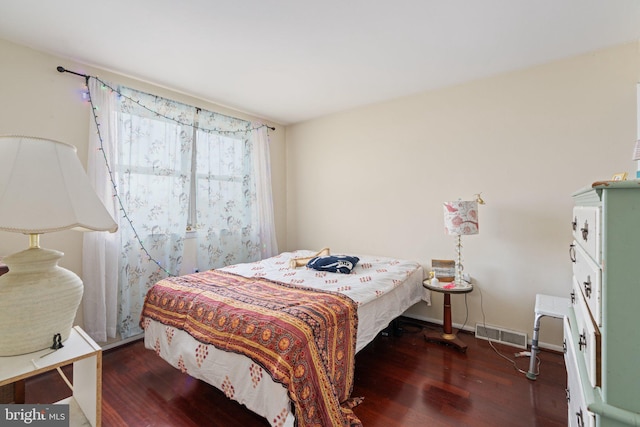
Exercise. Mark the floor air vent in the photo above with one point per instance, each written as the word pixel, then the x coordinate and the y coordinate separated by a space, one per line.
pixel 492 333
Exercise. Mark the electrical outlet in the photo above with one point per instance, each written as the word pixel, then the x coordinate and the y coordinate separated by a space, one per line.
pixel 523 354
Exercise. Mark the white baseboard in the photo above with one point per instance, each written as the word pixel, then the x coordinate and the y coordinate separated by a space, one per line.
pixel 117 342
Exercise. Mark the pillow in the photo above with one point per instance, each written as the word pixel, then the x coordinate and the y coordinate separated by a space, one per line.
pixel 334 263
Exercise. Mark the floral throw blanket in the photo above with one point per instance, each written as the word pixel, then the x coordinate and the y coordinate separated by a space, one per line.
pixel 304 338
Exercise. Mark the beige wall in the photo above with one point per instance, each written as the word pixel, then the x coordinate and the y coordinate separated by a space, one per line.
pixel 37 100
pixel 372 180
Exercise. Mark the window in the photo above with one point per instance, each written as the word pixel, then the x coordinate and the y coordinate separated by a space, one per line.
pixel 181 168
pixel 172 166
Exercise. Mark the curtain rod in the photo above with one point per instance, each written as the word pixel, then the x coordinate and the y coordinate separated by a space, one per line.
pixel 61 69
pixel 64 70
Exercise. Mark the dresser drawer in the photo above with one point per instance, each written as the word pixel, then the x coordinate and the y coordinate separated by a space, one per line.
pixel 586 336
pixel 577 415
pixel 589 277
pixel 586 230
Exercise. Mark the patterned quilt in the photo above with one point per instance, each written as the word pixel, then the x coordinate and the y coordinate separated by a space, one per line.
pixel 304 338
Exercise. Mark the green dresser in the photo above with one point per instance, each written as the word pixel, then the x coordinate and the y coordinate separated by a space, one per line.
pixel 602 330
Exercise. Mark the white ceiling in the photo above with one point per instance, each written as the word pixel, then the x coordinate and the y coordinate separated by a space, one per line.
pixel 292 60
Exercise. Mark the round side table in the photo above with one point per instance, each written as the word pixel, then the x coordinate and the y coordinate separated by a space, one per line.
pixel 447 336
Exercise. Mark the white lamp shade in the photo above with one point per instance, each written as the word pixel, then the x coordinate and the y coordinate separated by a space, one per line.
pixel 461 217
pixel 44 188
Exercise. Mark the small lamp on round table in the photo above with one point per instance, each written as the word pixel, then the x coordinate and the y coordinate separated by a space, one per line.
pixel 460 218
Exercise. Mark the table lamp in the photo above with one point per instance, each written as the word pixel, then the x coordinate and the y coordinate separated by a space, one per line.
pixel 460 218
pixel 43 189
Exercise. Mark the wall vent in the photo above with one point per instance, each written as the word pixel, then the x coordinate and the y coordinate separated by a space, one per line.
pixel 505 336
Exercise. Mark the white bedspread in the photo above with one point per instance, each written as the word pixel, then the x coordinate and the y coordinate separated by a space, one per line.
pixel 382 287
pixel 371 278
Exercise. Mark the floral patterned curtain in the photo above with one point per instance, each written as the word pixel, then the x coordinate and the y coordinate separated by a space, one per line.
pixel 157 142
pixel 153 176
pixel 226 198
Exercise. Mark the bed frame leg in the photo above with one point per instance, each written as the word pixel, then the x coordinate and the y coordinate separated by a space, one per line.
pixel 395 328
pixel 396 325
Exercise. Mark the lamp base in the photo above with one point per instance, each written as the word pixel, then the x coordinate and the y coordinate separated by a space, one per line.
pixel 38 299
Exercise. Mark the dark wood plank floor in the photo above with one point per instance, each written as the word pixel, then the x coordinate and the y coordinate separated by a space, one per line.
pixel 405 382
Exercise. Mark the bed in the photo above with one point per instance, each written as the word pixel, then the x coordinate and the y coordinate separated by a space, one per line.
pixel 379 289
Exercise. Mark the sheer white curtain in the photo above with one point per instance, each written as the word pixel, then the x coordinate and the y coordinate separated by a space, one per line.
pixel 101 250
pixel 149 142
pixel 232 198
pixel 264 197
pixel 154 175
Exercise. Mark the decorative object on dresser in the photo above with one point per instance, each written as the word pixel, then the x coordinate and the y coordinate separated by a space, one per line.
pixel 461 218
pixel 601 338
pixel 43 188
pixel 622 176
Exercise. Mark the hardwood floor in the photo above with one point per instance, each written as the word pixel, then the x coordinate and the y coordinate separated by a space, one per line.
pixel 405 381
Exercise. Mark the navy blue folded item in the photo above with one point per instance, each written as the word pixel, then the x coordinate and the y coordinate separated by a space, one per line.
pixel 334 263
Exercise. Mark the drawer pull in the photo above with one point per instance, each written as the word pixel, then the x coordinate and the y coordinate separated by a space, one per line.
pixel 579 418
pixel 568 392
pixel 587 287
pixel 574 224
pixel 585 231
pixel 572 252
pixel 582 342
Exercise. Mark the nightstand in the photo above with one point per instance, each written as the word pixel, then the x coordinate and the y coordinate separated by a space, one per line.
pixel 85 402
pixel 447 336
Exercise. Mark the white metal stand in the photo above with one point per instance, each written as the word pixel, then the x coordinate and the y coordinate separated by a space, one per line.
pixel 546 305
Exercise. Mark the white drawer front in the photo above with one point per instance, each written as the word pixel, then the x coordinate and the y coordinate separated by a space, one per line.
pixel 577 407
pixel 589 277
pixel 586 230
pixel 587 342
